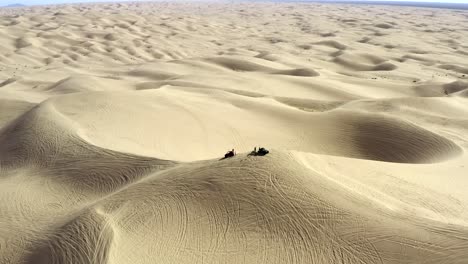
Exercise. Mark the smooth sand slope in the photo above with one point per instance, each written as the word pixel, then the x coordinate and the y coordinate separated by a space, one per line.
pixel 114 117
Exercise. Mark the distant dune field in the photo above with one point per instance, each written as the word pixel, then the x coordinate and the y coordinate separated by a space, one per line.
pixel 114 119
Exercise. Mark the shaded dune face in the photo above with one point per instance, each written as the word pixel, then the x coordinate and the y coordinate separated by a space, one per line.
pixel 11 109
pixel 42 138
pixel 393 141
pixel 364 67
pixel 457 88
pixel 85 239
pixel 114 119
pixel 260 66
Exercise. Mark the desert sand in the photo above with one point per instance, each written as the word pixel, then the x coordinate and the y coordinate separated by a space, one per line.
pixel 114 117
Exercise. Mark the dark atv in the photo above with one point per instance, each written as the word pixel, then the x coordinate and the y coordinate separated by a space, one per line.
pixel 262 152
pixel 230 154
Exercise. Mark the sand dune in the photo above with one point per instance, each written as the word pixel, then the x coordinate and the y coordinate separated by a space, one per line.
pixel 114 119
